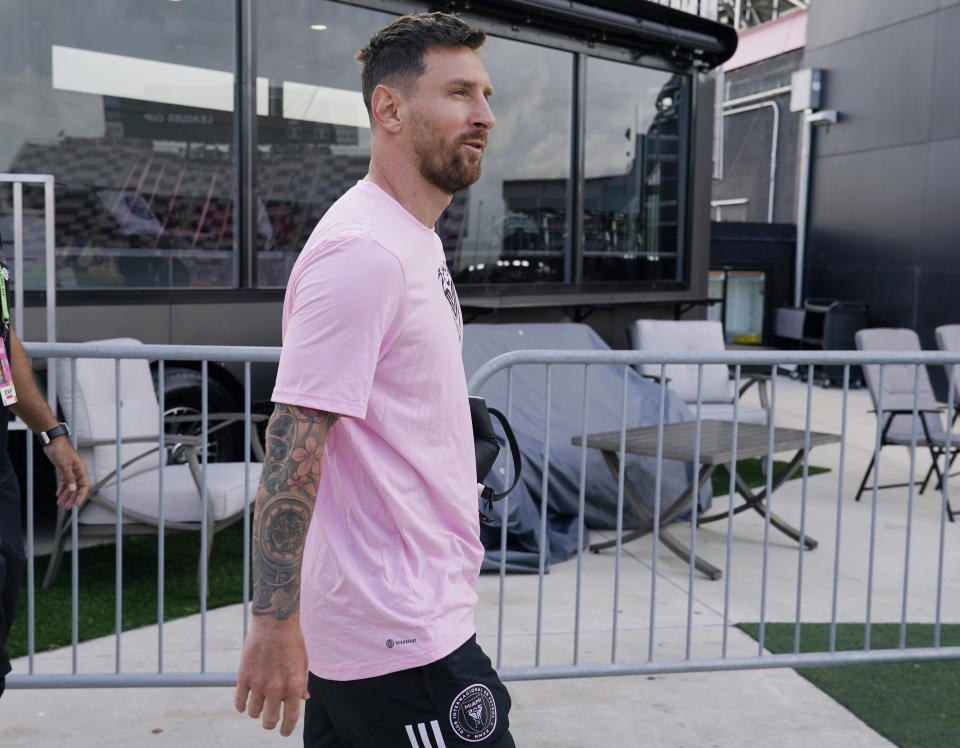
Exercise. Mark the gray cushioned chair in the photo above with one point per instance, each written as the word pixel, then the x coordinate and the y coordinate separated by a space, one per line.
pixel 718 396
pixel 897 424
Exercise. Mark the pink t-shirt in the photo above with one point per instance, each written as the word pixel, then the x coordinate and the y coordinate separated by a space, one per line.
pixel 372 331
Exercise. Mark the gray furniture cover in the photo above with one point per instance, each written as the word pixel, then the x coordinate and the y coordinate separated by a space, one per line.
pixel 483 342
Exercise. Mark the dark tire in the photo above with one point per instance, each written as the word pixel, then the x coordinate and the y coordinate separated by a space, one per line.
pixel 183 393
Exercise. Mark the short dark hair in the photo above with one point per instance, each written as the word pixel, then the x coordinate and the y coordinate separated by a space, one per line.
pixel 394 55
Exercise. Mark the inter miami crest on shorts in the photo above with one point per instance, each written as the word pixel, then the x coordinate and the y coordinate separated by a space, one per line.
pixel 473 714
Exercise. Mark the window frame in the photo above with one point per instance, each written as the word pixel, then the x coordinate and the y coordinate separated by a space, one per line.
pixel 244 144
pixel 472 291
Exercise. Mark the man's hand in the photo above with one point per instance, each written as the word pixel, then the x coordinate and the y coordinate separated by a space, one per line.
pixel 72 472
pixel 273 672
pixel 33 409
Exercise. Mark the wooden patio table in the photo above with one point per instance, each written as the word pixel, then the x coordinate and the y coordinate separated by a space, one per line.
pixel 716 451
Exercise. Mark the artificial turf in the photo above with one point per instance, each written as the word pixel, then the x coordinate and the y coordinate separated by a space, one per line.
pixel 909 703
pixel 139 591
pixel 750 470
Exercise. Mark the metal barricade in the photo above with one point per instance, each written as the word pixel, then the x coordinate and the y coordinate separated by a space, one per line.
pixel 160 676
pixel 718 655
pixel 629 611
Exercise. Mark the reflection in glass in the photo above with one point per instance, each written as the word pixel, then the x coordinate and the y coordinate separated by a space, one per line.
pixel 133 118
pixel 636 143
pixel 511 226
pixel 129 104
pixel 315 144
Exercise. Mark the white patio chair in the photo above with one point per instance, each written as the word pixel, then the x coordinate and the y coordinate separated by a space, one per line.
pixel 704 336
pixel 92 404
pixel 896 419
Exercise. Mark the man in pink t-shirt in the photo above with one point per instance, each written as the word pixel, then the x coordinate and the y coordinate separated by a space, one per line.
pixel 366 534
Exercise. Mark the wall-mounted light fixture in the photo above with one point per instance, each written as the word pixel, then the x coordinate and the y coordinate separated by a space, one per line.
pixel 823 117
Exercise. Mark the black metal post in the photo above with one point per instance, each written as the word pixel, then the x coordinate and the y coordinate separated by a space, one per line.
pixel 244 145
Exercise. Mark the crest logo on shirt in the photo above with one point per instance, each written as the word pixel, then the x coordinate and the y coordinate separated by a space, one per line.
pixel 473 714
pixel 446 282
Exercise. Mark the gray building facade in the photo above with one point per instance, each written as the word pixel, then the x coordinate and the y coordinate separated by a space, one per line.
pixel 884 223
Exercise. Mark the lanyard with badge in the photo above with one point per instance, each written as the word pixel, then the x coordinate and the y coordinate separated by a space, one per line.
pixel 8 395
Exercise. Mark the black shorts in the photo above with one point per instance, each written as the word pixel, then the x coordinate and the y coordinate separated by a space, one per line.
pixel 455 701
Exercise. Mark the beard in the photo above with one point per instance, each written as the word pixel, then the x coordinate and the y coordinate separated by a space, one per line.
pixel 445 165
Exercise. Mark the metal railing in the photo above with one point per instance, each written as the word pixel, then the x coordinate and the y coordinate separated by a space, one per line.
pixel 160 676
pixel 649 662
pixel 629 611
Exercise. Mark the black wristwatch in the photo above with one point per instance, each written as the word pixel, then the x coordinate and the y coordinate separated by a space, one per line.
pixel 61 429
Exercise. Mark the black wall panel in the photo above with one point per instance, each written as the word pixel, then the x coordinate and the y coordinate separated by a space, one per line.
pixel 946 76
pixel 884 224
pixel 831 21
pixel 941 216
pixel 881 83
pixel 875 198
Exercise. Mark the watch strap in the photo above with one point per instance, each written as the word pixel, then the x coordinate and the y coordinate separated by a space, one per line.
pixel 61 429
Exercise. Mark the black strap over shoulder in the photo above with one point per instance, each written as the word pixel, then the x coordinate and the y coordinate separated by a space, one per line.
pixel 487 448
pixel 488 493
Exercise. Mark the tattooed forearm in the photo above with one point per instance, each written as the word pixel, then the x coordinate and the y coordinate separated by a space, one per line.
pixel 288 489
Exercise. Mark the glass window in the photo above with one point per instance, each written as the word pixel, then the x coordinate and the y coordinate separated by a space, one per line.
pixel 637 122
pixel 511 225
pixel 314 143
pixel 128 103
